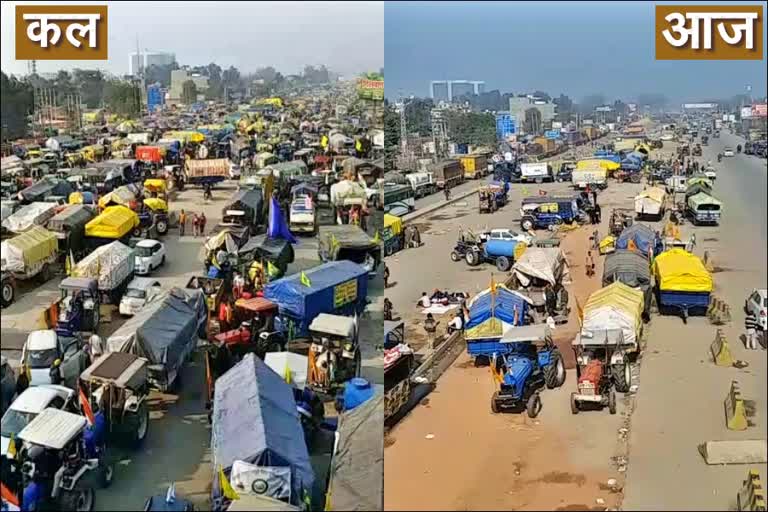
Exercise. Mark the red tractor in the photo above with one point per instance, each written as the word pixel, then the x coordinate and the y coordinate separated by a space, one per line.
pixel 596 375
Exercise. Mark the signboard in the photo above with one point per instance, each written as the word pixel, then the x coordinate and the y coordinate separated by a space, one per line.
pixel 694 106
pixel 746 113
pixel 557 125
pixel 604 108
pixel 587 122
pixel 731 118
pixel 759 110
pixel 725 117
pixel 552 134
pixel 506 125
pixel 345 293
pixel 370 89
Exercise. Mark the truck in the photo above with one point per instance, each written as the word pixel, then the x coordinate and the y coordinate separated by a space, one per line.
pixel 422 183
pixel 112 265
pixel 447 173
pixel 165 333
pixel 206 172
pixel 475 166
pixel 594 177
pixel 535 172
pixel 29 254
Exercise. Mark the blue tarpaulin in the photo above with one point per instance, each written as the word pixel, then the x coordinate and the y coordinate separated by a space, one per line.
pixel 278 228
pixel 643 237
pixel 501 305
pixel 334 287
pixel 255 420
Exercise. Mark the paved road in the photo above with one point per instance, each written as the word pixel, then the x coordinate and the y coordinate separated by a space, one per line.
pixel 177 449
pixel 680 402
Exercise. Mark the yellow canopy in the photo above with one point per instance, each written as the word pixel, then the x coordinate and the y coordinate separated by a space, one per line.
pixel 680 271
pixel 75 198
pixel 655 193
pixel 394 223
pixel 617 294
pixel 186 136
pixel 699 179
pixel 608 244
pixel 114 222
pixel 156 204
pixel 35 244
pixel 590 163
pixel 155 185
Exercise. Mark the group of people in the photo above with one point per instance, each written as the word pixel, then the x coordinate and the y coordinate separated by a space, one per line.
pixel 198 223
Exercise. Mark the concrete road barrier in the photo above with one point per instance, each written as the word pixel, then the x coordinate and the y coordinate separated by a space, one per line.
pixel 735 412
pixel 721 351
pixel 749 451
pixel 718 312
pixel 751 496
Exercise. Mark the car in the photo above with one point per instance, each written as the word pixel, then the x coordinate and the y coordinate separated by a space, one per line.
pixel 150 254
pixel 506 234
pixel 140 291
pixel 29 404
pixel 757 304
pixel 45 348
pixel 728 152
pixel 7 384
pixel 667 136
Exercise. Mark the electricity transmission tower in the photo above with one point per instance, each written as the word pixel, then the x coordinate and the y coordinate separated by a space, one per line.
pixel 439 132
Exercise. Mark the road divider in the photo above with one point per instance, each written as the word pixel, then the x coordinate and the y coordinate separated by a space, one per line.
pixel 735 411
pixel 434 207
pixel 751 496
pixel 748 451
pixel 718 312
pixel 721 351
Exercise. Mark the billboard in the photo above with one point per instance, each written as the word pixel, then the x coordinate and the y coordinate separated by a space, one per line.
pixel 694 106
pixel 759 110
pixel 746 113
pixel 506 125
pixel 370 89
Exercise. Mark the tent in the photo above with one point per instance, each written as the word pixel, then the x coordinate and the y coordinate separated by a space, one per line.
pixel 628 267
pixel 357 468
pixel 680 271
pixel 47 186
pixel 255 421
pixel 29 215
pixel 542 263
pixel 492 314
pixel 278 251
pixel 114 222
pixel 28 248
pixel 617 306
pixel 122 196
pixel 641 236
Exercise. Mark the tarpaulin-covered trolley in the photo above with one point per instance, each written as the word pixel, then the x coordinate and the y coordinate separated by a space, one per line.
pixel 114 223
pixel 69 227
pixel 257 440
pixel 682 282
pixel 491 315
pixel 392 235
pixel 632 269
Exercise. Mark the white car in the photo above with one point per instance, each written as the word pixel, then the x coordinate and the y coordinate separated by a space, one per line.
pixel 710 173
pixel 140 291
pixel 150 254
pixel 728 152
pixel 29 404
pixel 44 348
pixel 757 304
pixel 507 234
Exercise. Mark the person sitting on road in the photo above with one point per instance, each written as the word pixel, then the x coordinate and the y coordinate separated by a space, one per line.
pixel 425 301
pixel 457 323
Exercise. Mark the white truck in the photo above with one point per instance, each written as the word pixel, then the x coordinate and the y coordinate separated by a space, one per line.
pixel 422 183
pixel 302 217
pixel 538 172
pixel 594 177
pixel 30 254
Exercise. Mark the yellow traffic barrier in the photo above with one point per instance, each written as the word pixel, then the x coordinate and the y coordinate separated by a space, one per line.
pixel 721 351
pixel 718 312
pixel 735 412
pixel 751 496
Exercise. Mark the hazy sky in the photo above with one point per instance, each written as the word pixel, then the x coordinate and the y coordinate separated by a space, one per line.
pixel 576 48
pixel 345 36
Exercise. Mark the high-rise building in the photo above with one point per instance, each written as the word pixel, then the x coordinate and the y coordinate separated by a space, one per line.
pixel 142 60
pixel 446 90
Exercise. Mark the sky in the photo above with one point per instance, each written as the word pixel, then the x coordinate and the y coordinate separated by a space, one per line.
pixel 345 36
pixel 575 48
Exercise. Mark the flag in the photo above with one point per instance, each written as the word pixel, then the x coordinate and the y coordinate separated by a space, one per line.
pixel 85 405
pixel 493 284
pixel 11 447
pixel 287 373
pixel 8 497
pixel 226 487
pixel 334 243
pixel 305 280
pixel 376 237
pixel 278 228
pixel 272 270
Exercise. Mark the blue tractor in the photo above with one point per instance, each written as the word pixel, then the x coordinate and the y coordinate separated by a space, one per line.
pixel 530 362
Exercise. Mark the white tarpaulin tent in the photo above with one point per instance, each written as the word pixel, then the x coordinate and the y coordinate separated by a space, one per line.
pixel 615 307
pixel 344 190
pixel 547 264
pixel 29 215
pixel 110 264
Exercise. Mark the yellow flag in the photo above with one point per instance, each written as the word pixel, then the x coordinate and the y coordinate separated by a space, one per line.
pixel 11 448
pixel 334 242
pixel 272 270
pixel 377 237
pixel 287 373
pixel 305 280
pixel 226 487
pixel 493 285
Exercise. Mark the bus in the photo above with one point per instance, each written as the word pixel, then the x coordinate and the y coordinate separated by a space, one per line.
pixel 396 199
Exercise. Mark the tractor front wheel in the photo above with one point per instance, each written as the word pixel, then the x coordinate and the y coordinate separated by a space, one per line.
pixel 533 407
pixel 574 404
pixel 495 403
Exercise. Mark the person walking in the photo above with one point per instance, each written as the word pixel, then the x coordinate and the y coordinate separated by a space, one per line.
pixel 430 327
pixel 447 191
pixel 202 223
pixel 750 324
pixel 590 264
pixel 386 276
pixel 597 212
pixel 182 222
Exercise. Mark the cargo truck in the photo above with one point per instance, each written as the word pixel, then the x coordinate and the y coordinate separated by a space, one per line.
pixel 535 172
pixel 30 254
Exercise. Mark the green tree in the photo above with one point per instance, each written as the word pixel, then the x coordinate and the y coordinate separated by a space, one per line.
pixel 472 128
pixel 16 103
pixel 188 92
pixel 123 98
pixel 391 136
pixel 160 74
pixel 418 116
pixel 90 83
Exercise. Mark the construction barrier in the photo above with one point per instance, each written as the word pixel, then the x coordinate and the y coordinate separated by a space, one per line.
pixel 721 351
pixel 49 317
pixel 718 312
pixel 735 412
pixel 751 496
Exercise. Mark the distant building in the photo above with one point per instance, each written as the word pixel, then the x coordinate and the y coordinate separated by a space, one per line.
pixel 143 60
pixel 446 90
pixel 179 76
pixel 519 104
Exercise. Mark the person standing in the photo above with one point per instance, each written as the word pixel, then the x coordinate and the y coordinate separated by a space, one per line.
pixel 182 222
pixel 386 276
pixel 750 324
pixel 590 264
pixel 195 224
pixel 597 212
pixel 430 327
pixel 202 224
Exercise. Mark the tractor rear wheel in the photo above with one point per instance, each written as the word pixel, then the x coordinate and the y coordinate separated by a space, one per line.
pixel 554 372
pixel 612 402
pixel 472 258
pixel 574 404
pixel 622 377
pixel 503 264
pixel 533 407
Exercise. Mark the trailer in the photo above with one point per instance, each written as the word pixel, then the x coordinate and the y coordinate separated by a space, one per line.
pixel 30 254
pixel 69 227
pixel 35 214
pixel 651 203
pixel 537 172
pixel 207 172
pixel 112 265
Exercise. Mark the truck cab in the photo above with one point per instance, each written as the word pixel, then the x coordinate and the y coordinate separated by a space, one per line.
pixel 543 212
